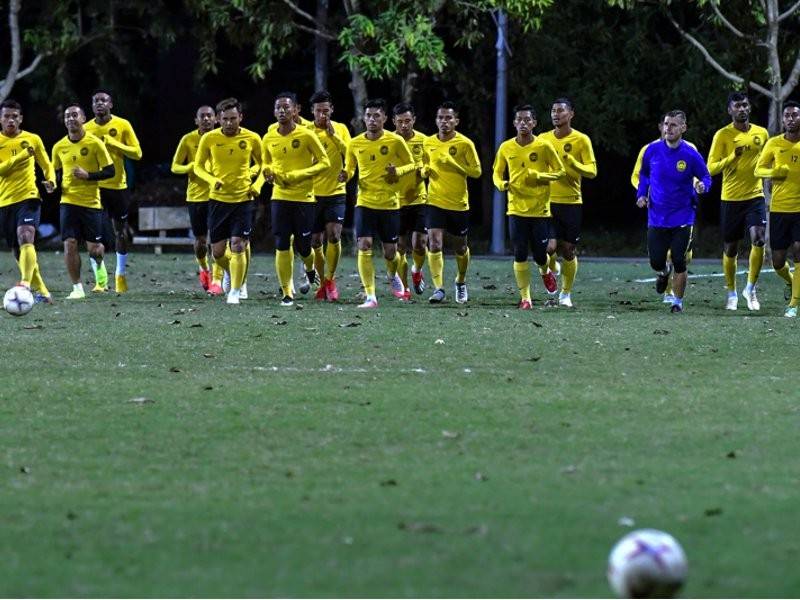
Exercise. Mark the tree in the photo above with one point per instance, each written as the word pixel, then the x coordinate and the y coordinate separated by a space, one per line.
pixel 15 71
pixel 762 33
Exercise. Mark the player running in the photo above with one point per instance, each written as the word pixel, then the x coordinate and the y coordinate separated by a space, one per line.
pixel 530 163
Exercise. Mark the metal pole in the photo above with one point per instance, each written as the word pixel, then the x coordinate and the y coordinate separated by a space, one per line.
pixel 498 201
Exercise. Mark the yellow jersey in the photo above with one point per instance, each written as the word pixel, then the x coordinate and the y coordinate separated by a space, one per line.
pixel 121 142
pixel 412 185
pixel 531 169
pixel 739 181
pixel 183 164
pixel 227 161
pixel 575 150
pixel 372 157
pixel 295 159
pixel 447 165
pixel 780 161
pixel 18 167
pixel 327 182
pixel 89 153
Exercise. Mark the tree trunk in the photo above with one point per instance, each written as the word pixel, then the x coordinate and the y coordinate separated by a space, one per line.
pixel 408 88
pixel 358 87
pixel 321 48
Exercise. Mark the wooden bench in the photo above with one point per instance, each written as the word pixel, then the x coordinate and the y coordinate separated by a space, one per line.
pixel 163 219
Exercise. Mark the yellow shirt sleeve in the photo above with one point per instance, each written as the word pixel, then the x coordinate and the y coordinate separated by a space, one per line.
pixel 182 162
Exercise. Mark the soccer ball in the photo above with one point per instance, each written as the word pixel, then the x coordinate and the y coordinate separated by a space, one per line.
pixel 18 301
pixel 647 564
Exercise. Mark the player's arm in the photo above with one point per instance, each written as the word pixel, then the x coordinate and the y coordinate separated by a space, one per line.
pixel 405 159
pixel 181 165
pixel 321 162
pixel 643 191
pixel 257 166
pixel 201 158
pixel 586 166
pixel 717 159
pixel 499 170
pixel 8 166
pixel 350 164
pixel 340 138
pixel 767 167
pixel 471 166
pixel 556 169
pixel 40 153
pixel 637 167
pixel 701 173
pixel 104 164
pixel 132 149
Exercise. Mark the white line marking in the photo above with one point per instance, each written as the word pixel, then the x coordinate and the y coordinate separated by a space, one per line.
pixel 704 275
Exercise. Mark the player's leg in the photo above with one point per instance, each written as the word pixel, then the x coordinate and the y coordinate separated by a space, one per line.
pixel 779 242
pixel 518 233
pixel 756 221
pixel 419 248
pixel 317 243
pixel 198 219
pixel 117 206
pixel 284 259
pixel 333 250
pixel 680 243
pixel 437 222
pixel 657 247
pixel 403 246
pixel 388 225
pixel 219 222
pixel 365 226
pixel 458 225
pixel 302 215
pixel 571 226
pixel 794 302
pixel 241 224
pixel 732 226
pixel 557 228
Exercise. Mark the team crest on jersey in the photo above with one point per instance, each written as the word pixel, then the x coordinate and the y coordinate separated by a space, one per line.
pixel 416 149
pixel 295 144
pixel 84 151
pixel 24 144
pixel 384 150
pixel 112 132
pixel 567 147
pixel 533 156
pixel 452 151
pixel 242 144
pixel 681 165
pixel 757 141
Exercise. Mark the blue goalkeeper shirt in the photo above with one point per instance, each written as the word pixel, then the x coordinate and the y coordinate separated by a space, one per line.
pixel 667 180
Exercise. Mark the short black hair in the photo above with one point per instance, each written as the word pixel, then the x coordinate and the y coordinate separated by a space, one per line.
pixel 676 114
pixel 790 104
pixel 378 103
pixel 320 97
pixel 76 105
pixel 228 104
pixel 404 107
pixel 736 97
pixel 448 105
pixel 525 108
pixel 288 95
pixel 12 104
pixel 565 100
pixel 103 91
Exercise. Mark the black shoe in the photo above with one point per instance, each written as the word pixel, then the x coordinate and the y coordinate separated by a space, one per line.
pixel 662 279
pixel 311 280
pixel 676 308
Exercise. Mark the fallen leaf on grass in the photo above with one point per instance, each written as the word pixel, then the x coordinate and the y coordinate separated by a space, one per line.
pixel 661 332
pixel 477 530
pixel 419 527
pixel 713 512
pixel 731 454
pixel 180 311
pixel 195 325
pixel 536 324
pixel 569 469
pixel 351 324
pixel 481 477
pixel 175 322
pixel 462 314
pixel 174 370
pixel 33 327
pixel 389 483
pixel 208 388
pixel 25 470
pixel 626 522
pixel 280 322
pixel 490 286
pixel 298 307
pixel 450 434
pixel 534 359
pixel 440 341
pixel 141 400
pixel 208 355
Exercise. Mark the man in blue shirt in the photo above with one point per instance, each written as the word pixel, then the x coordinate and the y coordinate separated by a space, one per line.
pixel 666 188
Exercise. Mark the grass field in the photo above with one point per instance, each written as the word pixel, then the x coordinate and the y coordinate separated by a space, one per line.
pixel 164 444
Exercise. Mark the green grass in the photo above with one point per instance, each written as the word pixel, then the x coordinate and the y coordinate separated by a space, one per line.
pixel 327 451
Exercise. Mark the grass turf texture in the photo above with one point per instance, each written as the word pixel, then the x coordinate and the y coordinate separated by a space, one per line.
pixel 329 451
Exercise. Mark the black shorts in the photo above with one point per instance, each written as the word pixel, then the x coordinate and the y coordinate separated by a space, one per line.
pixel 455 222
pixel 227 220
pixel 784 230
pixel 675 240
pixel 81 223
pixel 329 209
pixel 371 222
pixel 292 218
pixel 413 218
pixel 198 217
pixel 529 232
pixel 738 216
pixel 566 222
pixel 115 202
pixel 14 215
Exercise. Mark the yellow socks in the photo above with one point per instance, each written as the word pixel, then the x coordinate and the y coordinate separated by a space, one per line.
pixel 729 270
pixel 319 260
pixel 202 262
pixel 217 273
pixel 462 263
pixel 785 274
pixel 224 262
pixel 366 271
pixel 238 263
pixel 522 273
pixel 332 254
pixel 552 261
pixel 419 259
pixel 393 265
pixel 37 283
pixel 308 261
pixel 402 267
pixel 756 262
pixel 436 264
pixel 27 263
pixel 569 268
pixel 283 267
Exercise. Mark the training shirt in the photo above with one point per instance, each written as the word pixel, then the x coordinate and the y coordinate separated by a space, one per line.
pixel 295 158
pixel 327 182
pixel 780 160
pixel 183 164
pixel 739 181
pixel 448 164
pixel 667 178
pixel 372 157
pixel 120 141
pixel 577 155
pixel 531 169
pixel 638 166
pixel 91 154
pixel 412 185
pixel 18 173
pixel 227 160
